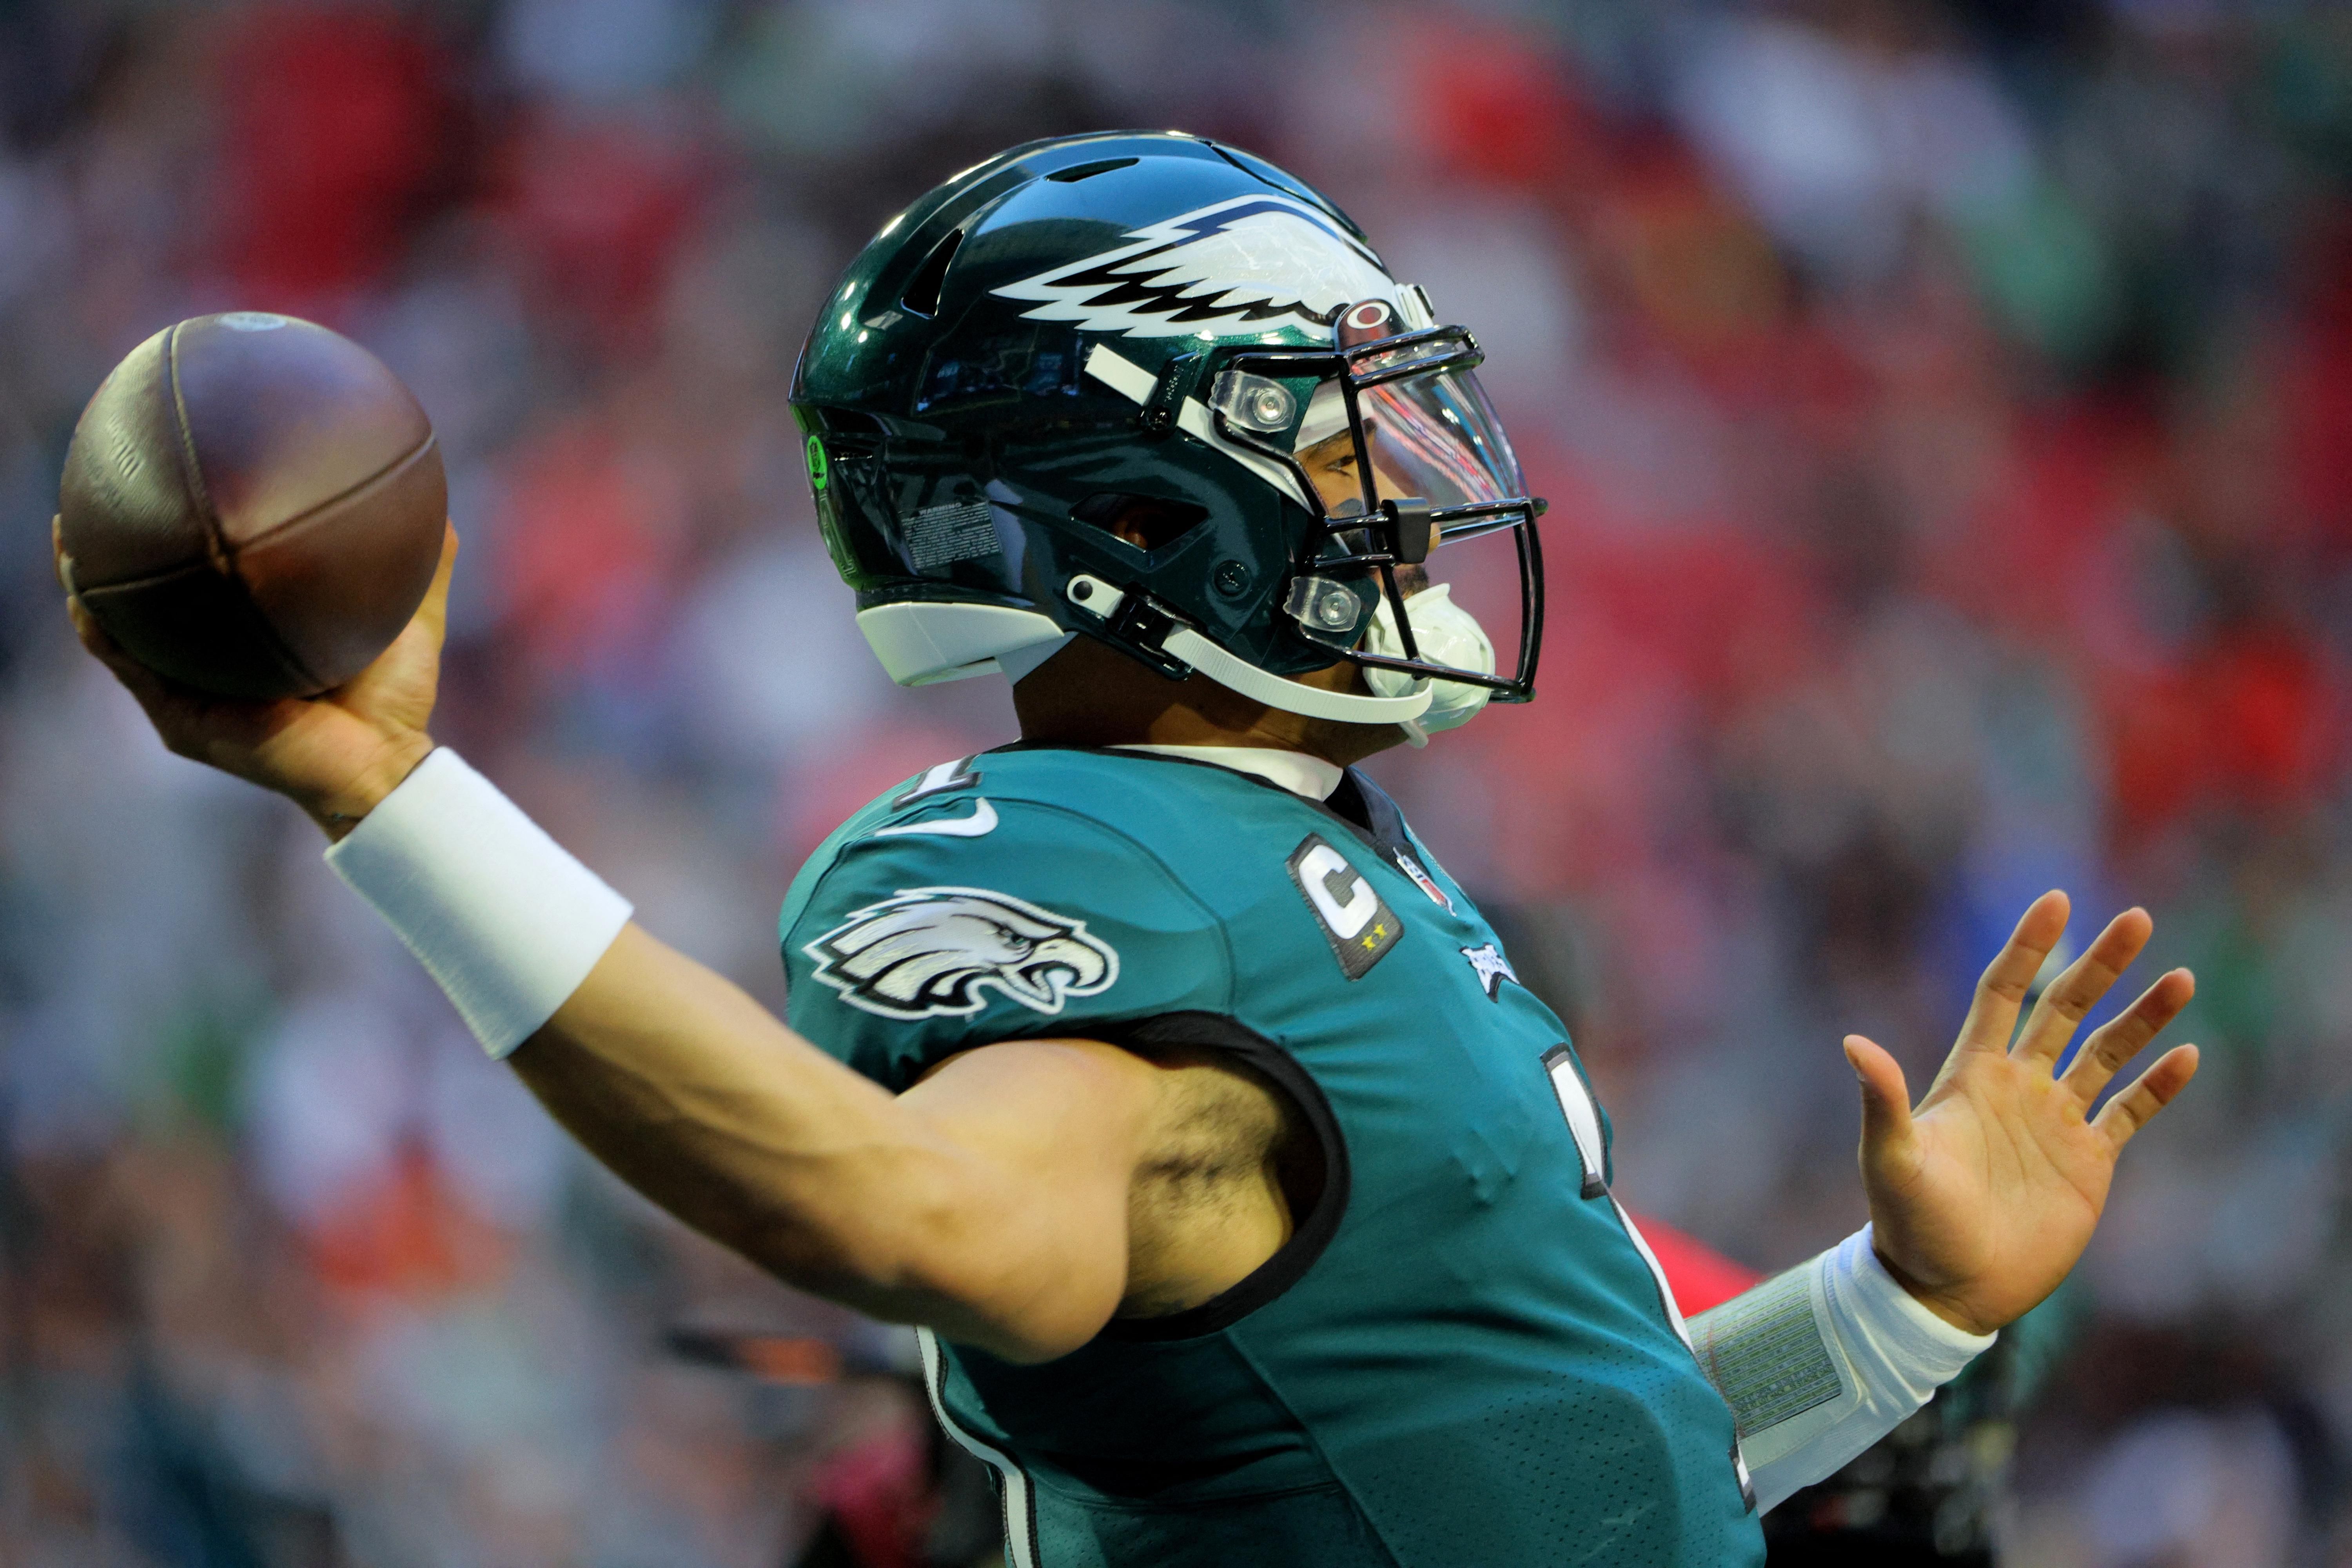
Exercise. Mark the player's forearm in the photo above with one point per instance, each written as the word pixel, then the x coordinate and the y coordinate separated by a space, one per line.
pixel 694 1094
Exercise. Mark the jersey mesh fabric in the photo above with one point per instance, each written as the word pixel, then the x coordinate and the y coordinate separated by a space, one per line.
pixel 1476 1368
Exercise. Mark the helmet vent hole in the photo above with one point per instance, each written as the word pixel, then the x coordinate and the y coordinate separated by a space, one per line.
pixel 1148 522
pixel 1072 175
pixel 922 295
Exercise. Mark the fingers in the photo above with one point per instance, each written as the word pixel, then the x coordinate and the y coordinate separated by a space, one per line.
pixel 170 709
pixel 85 624
pixel 1886 1103
pixel 2119 1039
pixel 2153 1089
pixel 434 610
pixel 2079 988
pixel 142 681
pixel 1994 1014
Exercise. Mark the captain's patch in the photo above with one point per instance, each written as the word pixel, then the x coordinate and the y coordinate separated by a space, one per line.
pixel 930 952
pixel 1359 927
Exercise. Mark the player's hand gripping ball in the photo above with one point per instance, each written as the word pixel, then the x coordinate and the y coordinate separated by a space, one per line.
pixel 252 505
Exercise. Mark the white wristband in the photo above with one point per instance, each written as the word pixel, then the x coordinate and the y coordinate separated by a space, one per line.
pixel 1898 1345
pixel 499 915
pixel 1819 1362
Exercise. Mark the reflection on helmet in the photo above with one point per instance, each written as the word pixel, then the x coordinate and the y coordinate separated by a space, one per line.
pixel 1431 435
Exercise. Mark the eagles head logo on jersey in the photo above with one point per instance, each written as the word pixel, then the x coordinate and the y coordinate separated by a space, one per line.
pixel 935 952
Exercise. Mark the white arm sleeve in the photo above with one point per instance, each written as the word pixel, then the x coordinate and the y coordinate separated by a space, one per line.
pixel 1819 1362
pixel 495 910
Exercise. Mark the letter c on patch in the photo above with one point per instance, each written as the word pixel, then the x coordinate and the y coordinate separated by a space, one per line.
pixel 1326 874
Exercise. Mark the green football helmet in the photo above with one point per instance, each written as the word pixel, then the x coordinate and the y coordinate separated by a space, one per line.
pixel 1126 326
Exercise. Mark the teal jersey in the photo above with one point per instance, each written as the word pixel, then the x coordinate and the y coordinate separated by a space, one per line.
pixel 1463 1357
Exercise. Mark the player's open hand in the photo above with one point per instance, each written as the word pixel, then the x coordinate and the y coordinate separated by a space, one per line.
pixel 1983 1197
pixel 335 755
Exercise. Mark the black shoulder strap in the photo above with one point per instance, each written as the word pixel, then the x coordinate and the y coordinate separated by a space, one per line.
pixel 1366 806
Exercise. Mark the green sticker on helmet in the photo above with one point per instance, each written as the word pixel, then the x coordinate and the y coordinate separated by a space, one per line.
pixel 816 464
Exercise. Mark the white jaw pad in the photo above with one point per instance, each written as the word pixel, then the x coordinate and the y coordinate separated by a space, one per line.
pixel 1018 664
pixel 923 643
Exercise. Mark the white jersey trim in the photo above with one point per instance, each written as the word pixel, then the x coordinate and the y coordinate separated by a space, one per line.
pixel 1294 771
pixel 1020 1504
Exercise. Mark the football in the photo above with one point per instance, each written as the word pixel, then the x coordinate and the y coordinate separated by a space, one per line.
pixel 252 505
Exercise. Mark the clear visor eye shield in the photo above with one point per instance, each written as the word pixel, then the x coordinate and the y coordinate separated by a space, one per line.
pixel 1394 444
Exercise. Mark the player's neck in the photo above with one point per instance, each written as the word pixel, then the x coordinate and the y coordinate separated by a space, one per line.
pixel 1092 695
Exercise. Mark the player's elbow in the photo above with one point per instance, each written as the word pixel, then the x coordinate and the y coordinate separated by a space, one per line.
pixel 952 1251
pixel 1041 1314
pixel 1027 1277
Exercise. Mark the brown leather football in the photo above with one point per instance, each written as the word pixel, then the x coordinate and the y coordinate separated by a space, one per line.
pixel 252 505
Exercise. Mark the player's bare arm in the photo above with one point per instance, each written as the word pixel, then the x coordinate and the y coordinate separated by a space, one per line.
pixel 1016 1199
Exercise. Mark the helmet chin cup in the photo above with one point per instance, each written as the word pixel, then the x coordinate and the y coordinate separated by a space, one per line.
pixel 1131 622
pixel 1447 634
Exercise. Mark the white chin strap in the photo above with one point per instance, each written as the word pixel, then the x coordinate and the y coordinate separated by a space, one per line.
pixel 1098 597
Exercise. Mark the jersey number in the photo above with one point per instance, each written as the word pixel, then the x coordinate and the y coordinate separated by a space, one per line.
pixel 1577 1104
pixel 1583 1116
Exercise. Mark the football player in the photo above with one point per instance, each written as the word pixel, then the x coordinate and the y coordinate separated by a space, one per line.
pixel 1252 1210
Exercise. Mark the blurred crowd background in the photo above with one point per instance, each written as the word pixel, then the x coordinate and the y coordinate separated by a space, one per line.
pixel 1947 414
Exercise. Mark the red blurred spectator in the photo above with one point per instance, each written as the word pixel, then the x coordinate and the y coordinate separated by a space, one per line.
pixel 338 129
pixel 406 1235
pixel 1497 105
pixel 2032 560
pixel 597 214
pixel 588 538
pixel 878 1498
pixel 2249 722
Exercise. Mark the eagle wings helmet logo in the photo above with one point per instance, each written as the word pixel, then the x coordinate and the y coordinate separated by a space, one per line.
pixel 1239 268
pixel 934 952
